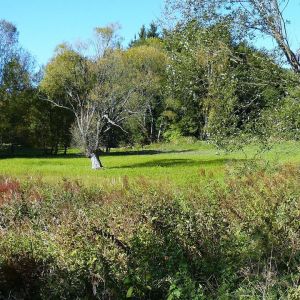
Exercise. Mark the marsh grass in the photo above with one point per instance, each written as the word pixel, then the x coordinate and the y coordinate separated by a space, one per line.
pixel 139 239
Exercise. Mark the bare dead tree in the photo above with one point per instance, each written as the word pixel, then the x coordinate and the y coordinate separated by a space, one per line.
pixel 100 91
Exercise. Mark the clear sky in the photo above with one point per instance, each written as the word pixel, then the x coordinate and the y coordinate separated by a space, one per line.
pixel 43 24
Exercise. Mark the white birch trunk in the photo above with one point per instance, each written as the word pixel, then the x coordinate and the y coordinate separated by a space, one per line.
pixel 96 164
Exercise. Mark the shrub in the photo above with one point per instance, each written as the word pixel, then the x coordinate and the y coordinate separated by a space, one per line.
pixel 233 240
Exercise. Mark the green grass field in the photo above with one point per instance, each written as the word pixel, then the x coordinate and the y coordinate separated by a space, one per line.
pixel 180 164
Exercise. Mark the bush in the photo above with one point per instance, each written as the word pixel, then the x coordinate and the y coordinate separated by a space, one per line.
pixel 233 240
pixel 174 135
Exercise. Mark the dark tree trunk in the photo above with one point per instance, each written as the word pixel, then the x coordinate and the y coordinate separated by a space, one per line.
pixel 55 149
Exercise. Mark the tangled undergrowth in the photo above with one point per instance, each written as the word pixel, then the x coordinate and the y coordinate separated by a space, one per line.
pixel 239 239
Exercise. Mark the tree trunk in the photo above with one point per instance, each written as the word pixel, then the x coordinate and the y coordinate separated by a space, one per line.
pixel 289 54
pixel 96 163
pixel 55 150
pixel 160 131
pixel 12 148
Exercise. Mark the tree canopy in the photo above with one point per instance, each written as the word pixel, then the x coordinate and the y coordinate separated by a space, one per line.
pixel 202 78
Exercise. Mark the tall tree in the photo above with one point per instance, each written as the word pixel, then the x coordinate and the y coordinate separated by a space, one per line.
pixel 148 63
pixel 100 91
pixel 17 91
pixel 143 32
pixel 217 87
pixel 67 83
pixel 8 42
pixel 152 32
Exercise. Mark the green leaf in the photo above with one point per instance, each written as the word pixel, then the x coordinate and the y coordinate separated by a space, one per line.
pixel 129 292
pixel 127 280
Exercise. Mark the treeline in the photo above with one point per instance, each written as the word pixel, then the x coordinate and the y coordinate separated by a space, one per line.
pixel 195 81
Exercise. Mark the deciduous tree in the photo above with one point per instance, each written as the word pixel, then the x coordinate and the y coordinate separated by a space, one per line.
pixel 101 91
pixel 248 16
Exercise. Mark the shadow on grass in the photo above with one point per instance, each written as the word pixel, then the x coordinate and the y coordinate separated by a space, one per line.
pixel 169 163
pixel 143 152
pixel 37 153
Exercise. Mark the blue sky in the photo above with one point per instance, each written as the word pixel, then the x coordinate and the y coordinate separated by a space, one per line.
pixel 43 24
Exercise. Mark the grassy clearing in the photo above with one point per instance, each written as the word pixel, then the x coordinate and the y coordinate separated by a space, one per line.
pixel 181 164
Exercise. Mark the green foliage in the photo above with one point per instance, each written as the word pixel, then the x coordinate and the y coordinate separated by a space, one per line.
pixel 18 97
pixel 145 35
pixel 198 80
pixel 147 64
pixel 220 88
pixel 145 241
pixel 283 121
pixel 26 120
pixel 68 71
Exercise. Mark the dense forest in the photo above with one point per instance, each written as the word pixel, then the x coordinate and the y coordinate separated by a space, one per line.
pixel 203 80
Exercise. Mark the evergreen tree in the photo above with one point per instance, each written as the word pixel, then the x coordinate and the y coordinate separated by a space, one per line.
pixel 143 33
pixel 152 32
